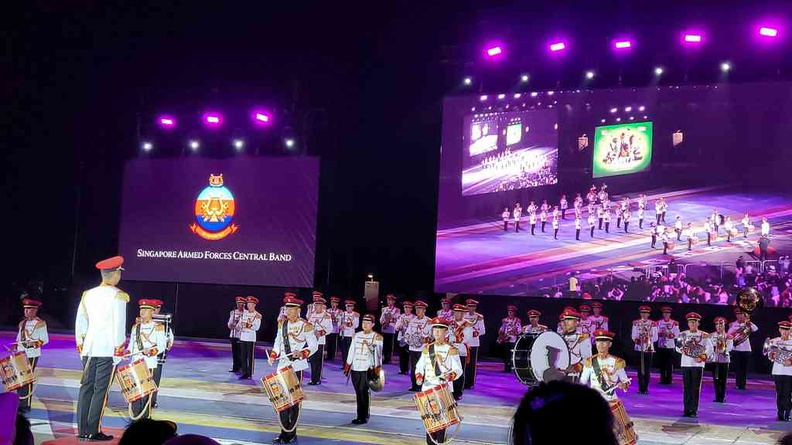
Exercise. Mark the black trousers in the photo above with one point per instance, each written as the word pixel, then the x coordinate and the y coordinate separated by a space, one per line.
pixel 591 234
pixel 236 356
pixel 618 221
pixel 600 224
pixel 24 392
pixel 533 229
pixel 577 234
pixel 607 226
pixel 626 225
pixel 459 384
pixel 96 379
pixel 157 378
pixel 414 357
pixel 247 349
pixel 783 388
pixel 555 233
pixel 644 370
pixel 563 213
pixel 517 226
pixel 438 436
pixel 658 218
pixel 362 394
pixel 662 217
pixel 739 361
pixel 665 247
pixel 679 234
pixel 387 347
pixel 690 243
pixel 404 359
pixel 316 361
pixel 709 239
pixel 543 225
pixel 665 361
pixel 720 372
pixel 654 241
pixel 507 355
pixel 331 345
pixel 691 379
pixel 505 226
pixel 640 223
pixel 346 342
pixel 289 417
pixel 470 368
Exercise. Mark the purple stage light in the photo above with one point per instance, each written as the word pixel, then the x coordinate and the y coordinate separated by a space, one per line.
pixel 166 121
pixel 261 117
pixel 494 51
pixel 622 44
pixel 768 32
pixel 558 46
pixel 213 119
pixel 693 38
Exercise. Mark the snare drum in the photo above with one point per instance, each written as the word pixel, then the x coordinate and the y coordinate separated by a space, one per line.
pixel 622 425
pixel 538 357
pixel 136 381
pixel 437 407
pixel 16 371
pixel 282 388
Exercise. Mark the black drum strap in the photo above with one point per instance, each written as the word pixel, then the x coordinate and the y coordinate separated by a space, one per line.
pixel 598 373
pixel 433 358
pixel 285 339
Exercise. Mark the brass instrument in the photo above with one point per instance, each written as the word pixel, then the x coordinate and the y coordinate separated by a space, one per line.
pixel 748 300
pixel 376 375
pixel 692 347
pixel 742 335
pixel 780 355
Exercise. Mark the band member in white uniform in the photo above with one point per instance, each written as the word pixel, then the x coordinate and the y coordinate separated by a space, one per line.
pixel 543 217
pixel 708 229
pixel 604 372
pixel 479 329
pixel 100 331
pixel 626 216
pixel 401 328
pixel 365 356
pixel 598 321
pixel 592 221
pixel 689 235
pixel 350 321
pixel 445 311
pixel 162 357
pixel 606 216
pixel 578 225
pixel 294 343
pixel 722 344
pixel 730 229
pixel 532 221
pixel 555 228
pixel 31 336
pixel 695 348
pixel 563 205
pixel 322 323
pixel 388 318
pixel 507 335
pixel 577 204
pixel 579 344
pixel 249 324
pixel 146 340
pixel 644 335
pixel 584 326
pixel 778 352
pixel 741 331
pixel 235 331
pixel 438 363
pixel 331 338
pixel 505 217
pixel 417 335
pixel 533 326
pixel 460 331
pixel 667 332
pixel 714 221
pixel 641 211
pixel 517 216
pixel 678 227
pixel 765 229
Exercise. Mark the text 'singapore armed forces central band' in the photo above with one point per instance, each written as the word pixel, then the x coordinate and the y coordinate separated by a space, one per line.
pixel 186 224
pixel 602 187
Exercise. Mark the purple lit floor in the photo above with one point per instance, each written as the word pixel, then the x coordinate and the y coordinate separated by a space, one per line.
pixel 479 257
pixel 202 397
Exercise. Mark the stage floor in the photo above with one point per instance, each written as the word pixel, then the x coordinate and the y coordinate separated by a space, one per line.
pixel 482 258
pixel 202 397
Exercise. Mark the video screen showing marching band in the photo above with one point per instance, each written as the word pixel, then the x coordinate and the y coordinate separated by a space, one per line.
pixel 510 151
pixel 624 194
pixel 223 221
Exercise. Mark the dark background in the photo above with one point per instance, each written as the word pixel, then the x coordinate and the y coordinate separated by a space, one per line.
pixel 360 84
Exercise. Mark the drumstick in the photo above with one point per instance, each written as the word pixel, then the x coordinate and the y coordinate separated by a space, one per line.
pixel 616 386
pixel 135 353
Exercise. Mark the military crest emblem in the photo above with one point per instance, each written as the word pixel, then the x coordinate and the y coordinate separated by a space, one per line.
pixel 214 211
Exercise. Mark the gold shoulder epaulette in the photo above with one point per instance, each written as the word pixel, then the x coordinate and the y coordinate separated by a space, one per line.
pixel 308 327
pixel 159 327
pixel 584 335
pixel 123 296
pixel 620 364
pixel 587 362
pixel 453 351
pixel 426 348
pixel 377 337
pixel 704 335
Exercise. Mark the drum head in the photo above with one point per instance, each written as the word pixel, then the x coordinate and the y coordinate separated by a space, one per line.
pixel 521 359
pixel 549 354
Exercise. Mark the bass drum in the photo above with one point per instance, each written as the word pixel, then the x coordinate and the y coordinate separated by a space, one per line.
pixel 539 357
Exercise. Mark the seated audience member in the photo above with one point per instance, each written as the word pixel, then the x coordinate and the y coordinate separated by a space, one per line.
pixel 786 439
pixel 148 431
pixel 544 408
pixel 24 436
pixel 9 403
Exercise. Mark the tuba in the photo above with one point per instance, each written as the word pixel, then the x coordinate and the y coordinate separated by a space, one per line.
pixel 780 355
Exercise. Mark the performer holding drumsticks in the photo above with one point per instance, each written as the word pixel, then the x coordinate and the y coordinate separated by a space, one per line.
pixel 294 343
pixel 439 363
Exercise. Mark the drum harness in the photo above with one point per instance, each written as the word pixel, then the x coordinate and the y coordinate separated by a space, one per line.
pixel 147 408
pixel 433 358
pixel 288 351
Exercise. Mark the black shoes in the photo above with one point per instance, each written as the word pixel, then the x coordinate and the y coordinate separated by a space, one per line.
pixel 312 383
pixel 98 437
pixel 282 439
pixel 414 389
pixel 233 370
pixel 244 377
pixel 357 421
